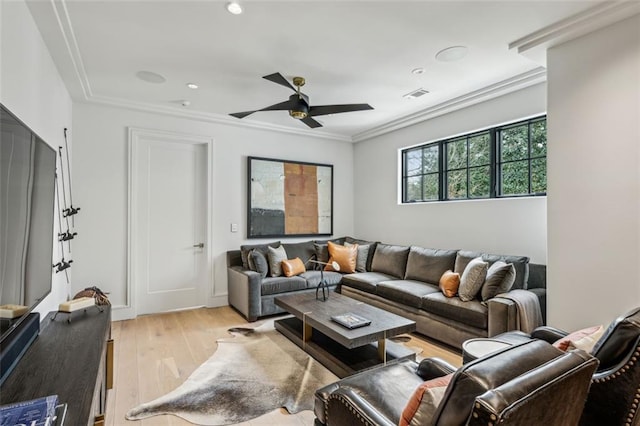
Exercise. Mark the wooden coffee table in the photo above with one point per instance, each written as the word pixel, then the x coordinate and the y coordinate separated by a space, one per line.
pixel 342 350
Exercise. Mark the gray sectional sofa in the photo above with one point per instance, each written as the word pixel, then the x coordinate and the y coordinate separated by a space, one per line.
pixel 400 279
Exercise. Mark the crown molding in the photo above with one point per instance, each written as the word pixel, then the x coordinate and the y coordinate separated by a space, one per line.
pixel 534 45
pixel 210 117
pixel 518 82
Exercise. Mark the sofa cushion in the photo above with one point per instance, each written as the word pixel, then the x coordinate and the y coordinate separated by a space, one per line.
pixel 428 265
pixel 472 313
pixel 275 256
pixel 344 256
pixel 472 279
pixel 372 249
pixel 391 260
pixel 365 281
pixel 313 278
pixel 304 251
pixel 500 277
pixel 520 263
pixel 407 292
pixel 277 285
pixel 258 262
pixel 322 252
pixel 363 255
pixel 245 249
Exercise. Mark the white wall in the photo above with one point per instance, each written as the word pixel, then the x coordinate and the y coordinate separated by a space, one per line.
pixel 31 88
pixel 100 167
pixel 505 226
pixel 594 176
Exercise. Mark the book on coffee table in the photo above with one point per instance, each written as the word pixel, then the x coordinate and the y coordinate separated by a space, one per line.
pixel 350 320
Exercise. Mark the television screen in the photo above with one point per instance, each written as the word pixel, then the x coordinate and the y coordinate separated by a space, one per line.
pixel 27 192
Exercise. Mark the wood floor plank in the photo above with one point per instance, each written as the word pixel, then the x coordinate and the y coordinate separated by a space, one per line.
pixel 156 353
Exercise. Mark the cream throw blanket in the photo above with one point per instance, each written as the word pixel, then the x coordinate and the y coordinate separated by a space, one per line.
pixel 529 314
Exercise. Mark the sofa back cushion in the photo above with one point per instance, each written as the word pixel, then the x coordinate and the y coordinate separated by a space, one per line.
pixel 520 263
pixel 304 251
pixel 428 265
pixel 370 252
pixel 390 260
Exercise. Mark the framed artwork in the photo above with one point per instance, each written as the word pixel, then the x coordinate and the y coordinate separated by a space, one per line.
pixel 289 198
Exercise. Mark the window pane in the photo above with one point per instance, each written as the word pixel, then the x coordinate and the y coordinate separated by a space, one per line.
pixel 479 182
pixel 514 143
pixel 515 178
pixel 430 159
pixel 539 175
pixel 479 152
pixel 431 187
pixel 457 184
pixel 413 162
pixel 539 138
pixel 413 189
pixel 457 154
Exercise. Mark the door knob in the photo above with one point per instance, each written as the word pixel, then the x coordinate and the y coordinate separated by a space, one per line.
pixel 201 245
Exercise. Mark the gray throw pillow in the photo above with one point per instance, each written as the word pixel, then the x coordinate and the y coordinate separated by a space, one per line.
pixel 258 262
pixel 276 256
pixel 322 253
pixel 363 255
pixel 245 249
pixel 472 279
pixel 500 278
pixel 390 260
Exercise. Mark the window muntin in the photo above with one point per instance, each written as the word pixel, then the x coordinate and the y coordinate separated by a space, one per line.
pixel 505 161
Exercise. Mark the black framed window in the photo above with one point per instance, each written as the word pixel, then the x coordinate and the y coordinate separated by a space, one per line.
pixel 504 161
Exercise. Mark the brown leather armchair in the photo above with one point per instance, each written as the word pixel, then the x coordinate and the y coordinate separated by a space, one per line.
pixel 530 383
pixel 614 397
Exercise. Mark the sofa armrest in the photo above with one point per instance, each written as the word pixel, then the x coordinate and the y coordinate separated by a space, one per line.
pixel 346 408
pixel 244 291
pixel 503 316
pixel 548 334
pixel 430 368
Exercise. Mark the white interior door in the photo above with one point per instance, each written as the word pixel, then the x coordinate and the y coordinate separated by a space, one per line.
pixel 169 232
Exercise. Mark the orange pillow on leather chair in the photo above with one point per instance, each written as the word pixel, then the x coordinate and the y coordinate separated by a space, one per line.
pixel 344 256
pixel 292 267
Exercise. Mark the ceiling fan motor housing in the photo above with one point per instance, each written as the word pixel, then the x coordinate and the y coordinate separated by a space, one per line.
pixel 300 108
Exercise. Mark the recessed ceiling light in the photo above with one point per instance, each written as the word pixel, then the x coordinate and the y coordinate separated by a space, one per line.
pixel 234 8
pixel 453 53
pixel 417 70
pixel 192 85
pixel 150 77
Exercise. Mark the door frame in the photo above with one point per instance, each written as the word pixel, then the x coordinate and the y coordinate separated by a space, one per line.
pixel 135 135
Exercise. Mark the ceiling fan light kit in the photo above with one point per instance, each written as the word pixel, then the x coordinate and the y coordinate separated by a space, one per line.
pixel 298 103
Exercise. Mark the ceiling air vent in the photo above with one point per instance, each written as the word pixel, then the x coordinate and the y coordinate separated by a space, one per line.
pixel 416 93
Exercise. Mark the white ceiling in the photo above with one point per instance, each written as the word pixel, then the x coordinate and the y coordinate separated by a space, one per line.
pixel 348 51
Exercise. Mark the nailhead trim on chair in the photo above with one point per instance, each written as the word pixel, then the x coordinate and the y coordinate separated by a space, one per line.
pixel 346 403
pixel 634 406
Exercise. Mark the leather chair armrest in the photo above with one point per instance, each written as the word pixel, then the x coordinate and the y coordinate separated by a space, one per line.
pixel 548 334
pixel 347 408
pixel 430 368
pixel 244 291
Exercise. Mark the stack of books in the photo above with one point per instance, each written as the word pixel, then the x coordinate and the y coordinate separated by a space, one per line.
pixel 45 411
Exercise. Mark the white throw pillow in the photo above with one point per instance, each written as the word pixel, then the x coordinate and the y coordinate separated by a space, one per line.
pixel 472 279
pixel 276 256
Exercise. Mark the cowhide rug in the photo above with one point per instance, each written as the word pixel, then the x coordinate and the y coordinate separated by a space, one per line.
pixel 252 373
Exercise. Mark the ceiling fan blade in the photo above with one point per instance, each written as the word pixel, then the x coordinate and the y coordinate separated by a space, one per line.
pixel 335 109
pixel 311 122
pixel 242 114
pixel 278 107
pixel 279 79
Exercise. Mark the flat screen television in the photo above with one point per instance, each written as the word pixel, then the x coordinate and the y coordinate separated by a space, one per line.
pixel 27 203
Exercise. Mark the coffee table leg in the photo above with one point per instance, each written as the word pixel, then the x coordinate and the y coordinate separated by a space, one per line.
pixel 306 333
pixel 382 350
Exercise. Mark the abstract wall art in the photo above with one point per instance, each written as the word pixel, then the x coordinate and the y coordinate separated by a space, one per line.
pixel 289 198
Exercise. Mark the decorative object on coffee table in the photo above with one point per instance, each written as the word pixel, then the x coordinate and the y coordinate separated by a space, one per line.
pixel 322 285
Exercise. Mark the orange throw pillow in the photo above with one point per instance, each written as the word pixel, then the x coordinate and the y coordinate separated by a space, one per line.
pixel 449 283
pixel 430 394
pixel 344 256
pixel 293 267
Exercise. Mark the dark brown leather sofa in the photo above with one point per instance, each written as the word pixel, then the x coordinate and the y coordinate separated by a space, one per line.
pixel 531 383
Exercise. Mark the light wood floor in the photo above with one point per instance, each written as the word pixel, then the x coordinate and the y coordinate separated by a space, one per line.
pixel 156 353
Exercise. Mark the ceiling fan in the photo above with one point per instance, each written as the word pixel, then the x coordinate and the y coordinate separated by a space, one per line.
pixel 298 103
